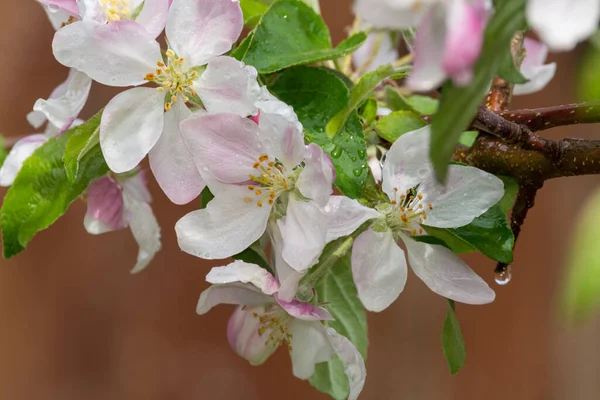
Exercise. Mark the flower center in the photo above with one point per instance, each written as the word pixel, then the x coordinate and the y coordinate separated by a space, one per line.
pixel 174 78
pixel 275 320
pixel 271 181
pixel 116 10
pixel 408 212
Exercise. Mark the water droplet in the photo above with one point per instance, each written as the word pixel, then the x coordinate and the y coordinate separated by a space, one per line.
pixel 503 274
pixel 336 152
pixel 357 172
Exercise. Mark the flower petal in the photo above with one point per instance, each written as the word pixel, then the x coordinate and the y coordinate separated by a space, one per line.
pixel 227 226
pixel 17 156
pixel 104 207
pixel 136 187
pixel 310 346
pixel 561 24
pixel 243 272
pixel 304 311
pixel 446 274
pixel 345 215
pixel 304 233
pixel 244 337
pixel 238 294
pixel 392 14
pixel 131 125
pixel 467 193
pixel 67 6
pixel 145 229
pixel 172 163
pixel 228 85
pixel 63 109
pixel 378 50
pixel 287 276
pixel 92 10
pixel 224 145
pixel 533 68
pixel 378 268
pixel 153 16
pixel 407 162
pixel 316 178
pixel 354 364
pixel 200 30
pixel 121 53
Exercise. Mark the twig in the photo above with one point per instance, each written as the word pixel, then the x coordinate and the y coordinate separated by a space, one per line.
pixel 539 119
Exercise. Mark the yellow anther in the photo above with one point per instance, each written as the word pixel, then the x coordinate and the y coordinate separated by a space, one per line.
pixel 170 53
pixel 258 192
pixel 264 157
pixel 150 77
pixel 168 106
pixel 250 187
pixel 160 64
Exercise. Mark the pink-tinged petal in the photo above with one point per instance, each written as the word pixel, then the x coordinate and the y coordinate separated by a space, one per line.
pixel 561 24
pixel 466 20
pixel 429 49
pixel 104 207
pixel 379 49
pixel 533 68
pixel 228 85
pixel 280 130
pixel 310 346
pixel 378 268
pixel 446 274
pixel 57 18
pixel 61 110
pixel 407 162
pixel 391 14
pixel 121 53
pixel 304 311
pixel 145 229
pixel 200 30
pixel 242 272
pixel 236 294
pixel 354 364
pixel 67 6
pixel 244 337
pixel 172 163
pixel 287 276
pixel 224 145
pixel 131 125
pixel 136 187
pixel 467 193
pixel 227 226
pixel 153 16
pixel 304 233
pixel 20 152
pixel 316 178
pixel 92 10
pixel 345 215
pixel 535 53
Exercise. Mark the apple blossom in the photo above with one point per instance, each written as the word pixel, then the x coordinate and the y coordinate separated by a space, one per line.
pixel 146 120
pixel 534 69
pixel 115 203
pixel 378 50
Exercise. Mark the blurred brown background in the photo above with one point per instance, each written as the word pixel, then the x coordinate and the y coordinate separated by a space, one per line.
pixel 76 325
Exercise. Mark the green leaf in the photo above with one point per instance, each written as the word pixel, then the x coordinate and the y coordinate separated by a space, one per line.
pixel 468 138
pixel 337 290
pixel 205 197
pixel 291 33
pixel 489 233
pixel 3 151
pixel 80 143
pixel 358 94
pixel 459 105
pixel 509 71
pixel 588 79
pixel 368 111
pixel 253 10
pixel 396 124
pixel 581 289
pixel 423 104
pixel 511 188
pixel 317 94
pixel 453 343
pixel 42 193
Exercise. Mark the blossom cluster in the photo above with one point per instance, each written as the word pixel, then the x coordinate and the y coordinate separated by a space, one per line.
pixel 208 124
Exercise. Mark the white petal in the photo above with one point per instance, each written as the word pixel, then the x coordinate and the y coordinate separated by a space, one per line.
pixel 224 145
pixel 200 30
pixel 57 18
pixel 378 269
pixel 92 10
pixel 380 48
pixel 243 272
pixel 227 226
pixel 287 276
pixel 136 187
pixel 304 232
pixel 172 163
pixel 145 229
pixel 446 274
pixel 407 162
pixel 354 364
pixel 237 294
pixel 66 6
pixel 561 24
pixel 539 78
pixel 20 152
pixel 228 85
pixel 131 125
pixel 153 16
pixel 121 53
pixel 467 193
pixel 535 53
pixel 62 110
pixel 392 14
pixel 310 346
pixel 244 337
pixel 304 311
pixel 345 215
pixel 316 178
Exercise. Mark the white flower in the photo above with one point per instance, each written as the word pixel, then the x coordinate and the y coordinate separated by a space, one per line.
pixel 416 198
pixel 135 123
pixel 379 49
pixel 118 203
pixel 534 69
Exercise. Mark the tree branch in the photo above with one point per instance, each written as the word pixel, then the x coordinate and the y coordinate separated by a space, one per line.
pixel 538 119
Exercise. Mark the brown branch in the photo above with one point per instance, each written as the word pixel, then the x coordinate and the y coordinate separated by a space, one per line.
pixel 539 119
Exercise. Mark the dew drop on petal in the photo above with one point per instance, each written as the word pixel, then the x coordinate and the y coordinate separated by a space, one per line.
pixel 503 274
